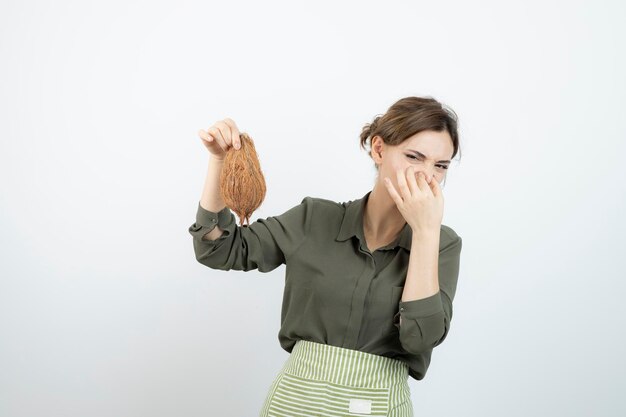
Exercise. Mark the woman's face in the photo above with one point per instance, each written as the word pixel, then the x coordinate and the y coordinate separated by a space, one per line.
pixel 428 151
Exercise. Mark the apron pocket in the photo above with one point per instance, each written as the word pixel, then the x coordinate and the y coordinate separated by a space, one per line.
pixel 296 394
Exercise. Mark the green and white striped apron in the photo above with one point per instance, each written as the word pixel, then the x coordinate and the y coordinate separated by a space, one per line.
pixel 330 381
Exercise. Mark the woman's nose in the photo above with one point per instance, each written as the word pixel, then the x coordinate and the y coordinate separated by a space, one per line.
pixel 428 174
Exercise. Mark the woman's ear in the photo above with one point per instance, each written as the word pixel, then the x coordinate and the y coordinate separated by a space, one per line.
pixel 377 146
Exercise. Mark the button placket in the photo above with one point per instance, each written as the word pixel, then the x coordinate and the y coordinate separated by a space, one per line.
pixel 358 305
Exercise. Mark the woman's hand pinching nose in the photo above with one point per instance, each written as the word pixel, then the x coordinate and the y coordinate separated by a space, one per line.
pixel 419 202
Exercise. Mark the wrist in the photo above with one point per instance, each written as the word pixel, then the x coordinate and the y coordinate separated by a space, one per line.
pixel 428 233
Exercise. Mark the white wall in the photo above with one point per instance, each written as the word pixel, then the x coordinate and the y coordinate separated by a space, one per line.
pixel 104 310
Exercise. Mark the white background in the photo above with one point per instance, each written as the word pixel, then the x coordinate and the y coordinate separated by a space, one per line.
pixel 104 310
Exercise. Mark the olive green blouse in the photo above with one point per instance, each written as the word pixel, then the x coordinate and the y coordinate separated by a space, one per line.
pixel 337 291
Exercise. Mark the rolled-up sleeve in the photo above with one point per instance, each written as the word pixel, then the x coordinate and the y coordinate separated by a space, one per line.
pixel 426 322
pixel 264 244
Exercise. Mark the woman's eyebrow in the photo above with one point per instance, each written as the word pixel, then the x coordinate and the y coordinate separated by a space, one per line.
pixel 424 156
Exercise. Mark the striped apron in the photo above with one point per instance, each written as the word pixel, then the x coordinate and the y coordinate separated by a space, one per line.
pixel 330 381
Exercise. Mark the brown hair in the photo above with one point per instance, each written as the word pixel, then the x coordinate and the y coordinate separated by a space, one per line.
pixel 409 116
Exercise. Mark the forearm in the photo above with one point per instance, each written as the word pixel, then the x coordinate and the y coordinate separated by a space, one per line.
pixel 422 278
pixel 211 197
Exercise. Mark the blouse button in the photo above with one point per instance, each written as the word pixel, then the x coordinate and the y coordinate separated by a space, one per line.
pixel 401 308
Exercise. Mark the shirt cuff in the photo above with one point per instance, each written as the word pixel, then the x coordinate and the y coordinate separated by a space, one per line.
pixel 209 218
pixel 415 309
pixel 206 221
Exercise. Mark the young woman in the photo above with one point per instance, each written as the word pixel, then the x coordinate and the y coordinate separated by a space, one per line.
pixel 369 283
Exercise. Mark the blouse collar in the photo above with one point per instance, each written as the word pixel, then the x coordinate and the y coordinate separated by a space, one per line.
pixel 352 224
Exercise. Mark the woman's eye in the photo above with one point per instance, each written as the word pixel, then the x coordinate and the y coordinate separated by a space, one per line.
pixel 440 166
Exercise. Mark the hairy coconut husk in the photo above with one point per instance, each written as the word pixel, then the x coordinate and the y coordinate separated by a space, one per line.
pixel 242 184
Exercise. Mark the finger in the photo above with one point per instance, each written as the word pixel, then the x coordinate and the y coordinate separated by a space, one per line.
pixel 405 193
pixel 225 131
pixel 434 186
pixel 204 135
pixel 422 183
pixel 235 132
pixel 392 191
pixel 217 136
pixel 412 181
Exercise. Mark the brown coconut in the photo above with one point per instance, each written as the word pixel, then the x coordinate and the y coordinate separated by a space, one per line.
pixel 242 184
